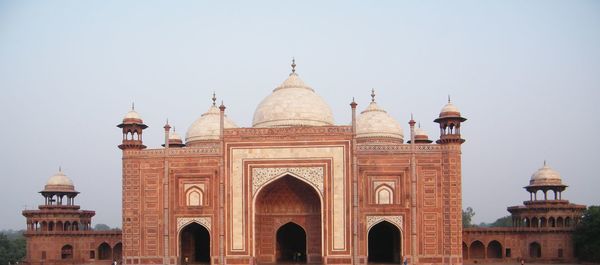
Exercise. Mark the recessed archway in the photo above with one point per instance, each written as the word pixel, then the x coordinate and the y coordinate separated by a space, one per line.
pixel 535 250
pixel 494 250
pixel 66 252
pixel 104 252
pixel 291 243
pixel 287 205
pixel 384 243
pixel 194 244
pixel 477 250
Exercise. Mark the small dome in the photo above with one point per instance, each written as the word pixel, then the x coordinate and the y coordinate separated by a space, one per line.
pixel 545 176
pixel 293 103
pixel 174 136
pixel 420 133
pixel 376 122
pixel 59 182
pixel 207 127
pixel 132 117
pixel 449 110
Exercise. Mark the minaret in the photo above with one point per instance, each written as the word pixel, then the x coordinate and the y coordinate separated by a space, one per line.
pixel 132 126
pixel 449 121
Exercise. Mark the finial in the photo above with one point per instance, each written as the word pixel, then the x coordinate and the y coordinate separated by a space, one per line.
pixel 174 129
pixel 59 168
pixel 373 95
pixel 411 116
pixel 293 65
pixel 214 99
pixel 544 162
pixel 448 98
pixel 132 105
pixel 167 121
pixel 419 125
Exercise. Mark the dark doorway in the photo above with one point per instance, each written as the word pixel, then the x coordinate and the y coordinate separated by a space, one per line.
pixel 195 244
pixel 535 250
pixel 291 243
pixel 384 243
pixel 104 252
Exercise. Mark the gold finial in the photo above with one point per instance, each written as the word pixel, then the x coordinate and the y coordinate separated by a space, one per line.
pixel 214 99
pixel 448 98
pixel 132 105
pixel 373 95
pixel 293 65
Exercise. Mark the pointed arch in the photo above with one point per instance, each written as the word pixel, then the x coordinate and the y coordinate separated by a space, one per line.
pixel 104 251
pixel 66 252
pixel 194 196
pixel 477 250
pixel 494 250
pixel 384 243
pixel 384 194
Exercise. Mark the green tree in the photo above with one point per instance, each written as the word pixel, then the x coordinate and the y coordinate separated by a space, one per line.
pixel 467 215
pixel 11 250
pixel 505 221
pixel 101 227
pixel 587 235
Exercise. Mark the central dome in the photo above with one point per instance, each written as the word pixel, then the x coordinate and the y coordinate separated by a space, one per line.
pixel 293 103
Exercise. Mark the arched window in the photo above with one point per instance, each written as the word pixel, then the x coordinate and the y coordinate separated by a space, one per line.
pixel 384 195
pixel 51 226
pixel 194 196
pixel 66 252
pixel 560 222
pixel 568 221
pixel 551 222
pixel 535 222
pixel 543 222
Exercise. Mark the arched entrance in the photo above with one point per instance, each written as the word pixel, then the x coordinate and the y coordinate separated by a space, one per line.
pixel 477 250
pixel 291 243
pixel 287 222
pixel 494 250
pixel 104 252
pixel 535 250
pixel 118 252
pixel 194 244
pixel 384 243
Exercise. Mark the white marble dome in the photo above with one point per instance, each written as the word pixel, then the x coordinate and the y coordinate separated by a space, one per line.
pixel 376 122
pixel 132 114
pixel 545 176
pixel 207 127
pixel 293 103
pixel 59 182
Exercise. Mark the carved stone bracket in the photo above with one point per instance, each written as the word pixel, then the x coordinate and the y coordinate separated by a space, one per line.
pixel 183 221
pixel 375 219
pixel 313 175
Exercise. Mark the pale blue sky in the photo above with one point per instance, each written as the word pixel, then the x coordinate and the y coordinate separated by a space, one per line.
pixel 525 73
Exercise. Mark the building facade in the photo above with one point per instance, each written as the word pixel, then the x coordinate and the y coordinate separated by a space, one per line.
pixel 293 187
pixel 541 228
pixel 58 232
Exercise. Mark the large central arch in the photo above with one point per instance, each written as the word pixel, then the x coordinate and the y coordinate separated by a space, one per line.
pixel 291 207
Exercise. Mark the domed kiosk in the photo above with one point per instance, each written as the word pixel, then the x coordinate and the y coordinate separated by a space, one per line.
pixel 375 124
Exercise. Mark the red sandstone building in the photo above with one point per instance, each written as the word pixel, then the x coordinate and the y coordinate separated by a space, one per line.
pixel 293 187
pixel 541 231
pixel 60 233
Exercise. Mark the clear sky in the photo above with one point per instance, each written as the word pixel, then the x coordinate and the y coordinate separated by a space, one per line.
pixel 526 74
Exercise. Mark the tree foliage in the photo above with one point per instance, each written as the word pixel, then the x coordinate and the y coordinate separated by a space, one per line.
pixel 505 221
pixel 467 216
pixel 101 227
pixel 12 247
pixel 587 235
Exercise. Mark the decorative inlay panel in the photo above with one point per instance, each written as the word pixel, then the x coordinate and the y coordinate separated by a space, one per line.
pixel 183 221
pixel 394 219
pixel 313 175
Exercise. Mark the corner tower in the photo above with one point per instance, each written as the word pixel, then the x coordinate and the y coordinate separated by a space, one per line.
pixel 132 126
